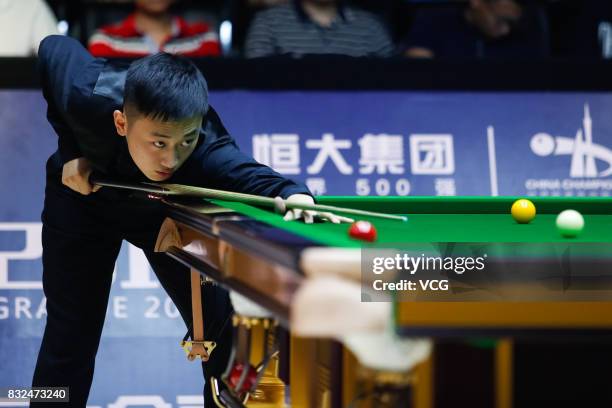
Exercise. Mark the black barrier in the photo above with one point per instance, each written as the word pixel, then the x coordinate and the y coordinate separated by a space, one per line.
pixel 332 72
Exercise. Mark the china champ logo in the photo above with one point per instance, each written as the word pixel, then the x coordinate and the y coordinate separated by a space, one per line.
pixel 583 152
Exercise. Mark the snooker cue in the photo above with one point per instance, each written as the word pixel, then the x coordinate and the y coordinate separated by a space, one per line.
pixel 209 193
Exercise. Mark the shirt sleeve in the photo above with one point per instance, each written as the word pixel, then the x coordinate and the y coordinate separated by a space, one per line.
pixel 53 58
pixel 67 145
pixel 382 46
pixel 218 163
pixel 260 39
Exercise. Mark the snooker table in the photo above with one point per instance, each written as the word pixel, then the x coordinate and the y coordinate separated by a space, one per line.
pixel 252 251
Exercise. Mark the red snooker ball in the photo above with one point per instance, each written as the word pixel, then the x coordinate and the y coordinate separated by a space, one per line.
pixel 363 230
pixel 236 373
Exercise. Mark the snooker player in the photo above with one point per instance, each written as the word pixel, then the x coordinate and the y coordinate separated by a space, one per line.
pixel 151 122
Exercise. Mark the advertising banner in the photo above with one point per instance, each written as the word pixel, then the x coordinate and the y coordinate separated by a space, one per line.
pixel 338 143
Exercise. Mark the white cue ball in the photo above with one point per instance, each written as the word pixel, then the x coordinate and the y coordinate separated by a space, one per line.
pixel 569 223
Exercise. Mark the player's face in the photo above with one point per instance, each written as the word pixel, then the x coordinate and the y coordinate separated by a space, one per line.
pixel 158 148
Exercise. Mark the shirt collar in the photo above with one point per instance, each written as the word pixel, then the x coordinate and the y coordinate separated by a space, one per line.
pixel 178 26
pixel 303 16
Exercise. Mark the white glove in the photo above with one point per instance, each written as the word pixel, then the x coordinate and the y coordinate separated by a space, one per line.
pixel 308 215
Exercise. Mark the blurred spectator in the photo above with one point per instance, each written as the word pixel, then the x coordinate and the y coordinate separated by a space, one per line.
pixel 243 13
pixel 482 29
pixel 317 27
pixel 23 24
pixel 593 31
pixel 152 28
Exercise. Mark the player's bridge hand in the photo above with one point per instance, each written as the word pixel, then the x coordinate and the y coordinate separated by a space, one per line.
pixel 309 216
pixel 75 175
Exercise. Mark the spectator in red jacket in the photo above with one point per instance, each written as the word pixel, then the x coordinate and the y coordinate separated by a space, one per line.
pixel 151 29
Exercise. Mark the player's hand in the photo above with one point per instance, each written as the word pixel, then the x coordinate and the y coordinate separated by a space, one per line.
pixel 307 215
pixel 75 174
pixel 494 18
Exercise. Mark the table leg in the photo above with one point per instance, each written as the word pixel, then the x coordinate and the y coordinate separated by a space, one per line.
pixel 503 373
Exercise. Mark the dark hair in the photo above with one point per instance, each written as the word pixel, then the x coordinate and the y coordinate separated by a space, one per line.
pixel 166 87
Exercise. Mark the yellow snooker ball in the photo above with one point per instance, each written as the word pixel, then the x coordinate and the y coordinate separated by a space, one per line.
pixel 523 211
